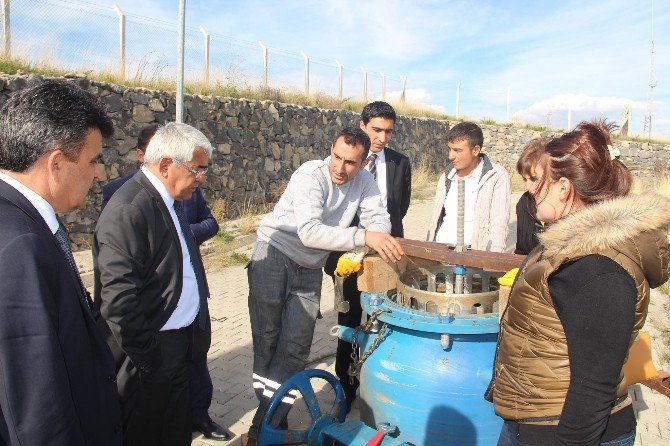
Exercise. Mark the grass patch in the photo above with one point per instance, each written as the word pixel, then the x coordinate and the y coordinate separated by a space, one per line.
pixel 225 251
pixel 423 179
pixel 247 212
pixel 665 339
pixel 224 235
pixel 665 289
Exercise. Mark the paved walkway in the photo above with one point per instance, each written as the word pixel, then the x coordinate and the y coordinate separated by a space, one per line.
pixel 230 357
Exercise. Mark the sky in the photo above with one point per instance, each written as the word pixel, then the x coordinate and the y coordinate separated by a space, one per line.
pixel 591 58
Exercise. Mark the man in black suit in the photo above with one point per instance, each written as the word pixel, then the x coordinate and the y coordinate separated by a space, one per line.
pixel 151 287
pixel 394 178
pixel 57 375
pixel 204 226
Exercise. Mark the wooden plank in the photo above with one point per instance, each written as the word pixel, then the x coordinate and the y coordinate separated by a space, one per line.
pixel 441 253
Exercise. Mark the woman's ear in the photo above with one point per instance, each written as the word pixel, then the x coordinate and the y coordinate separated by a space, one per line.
pixel 565 189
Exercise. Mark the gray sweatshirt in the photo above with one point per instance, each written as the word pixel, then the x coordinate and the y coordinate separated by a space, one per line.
pixel 313 215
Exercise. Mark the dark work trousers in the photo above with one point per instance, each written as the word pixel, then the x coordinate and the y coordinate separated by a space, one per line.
pixel 201 389
pixel 284 300
pixel 158 411
pixel 352 318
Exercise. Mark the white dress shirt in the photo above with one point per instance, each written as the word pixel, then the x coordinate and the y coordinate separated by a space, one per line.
pixel 448 232
pixel 43 207
pixel 380 162
pixel 189 300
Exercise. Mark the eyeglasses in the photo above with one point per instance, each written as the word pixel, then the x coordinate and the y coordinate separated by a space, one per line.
pixel 196 172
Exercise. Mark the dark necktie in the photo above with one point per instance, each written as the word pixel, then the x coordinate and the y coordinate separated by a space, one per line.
pixel 196 261
pixel 373 165
pixel 64 242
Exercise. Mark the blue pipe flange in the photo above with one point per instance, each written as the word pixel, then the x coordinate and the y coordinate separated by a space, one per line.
pixel 269 435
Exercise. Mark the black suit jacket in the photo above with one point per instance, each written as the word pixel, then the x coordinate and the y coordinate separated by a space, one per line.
pixel 398 189
pixel 200 218
pixel 138 278
pixel 57 375
pixel 111 187
pixel 398 193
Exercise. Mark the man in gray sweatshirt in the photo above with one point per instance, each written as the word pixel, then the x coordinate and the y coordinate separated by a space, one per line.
pixel 310 220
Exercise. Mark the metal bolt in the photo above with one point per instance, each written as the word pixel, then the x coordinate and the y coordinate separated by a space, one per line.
pixel 387 428
pixel 445 340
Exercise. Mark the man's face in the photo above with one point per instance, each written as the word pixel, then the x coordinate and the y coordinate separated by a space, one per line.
pixel 463 157
pixel 180 181
pixel 380 131
pixel 345 161
pixel 76 177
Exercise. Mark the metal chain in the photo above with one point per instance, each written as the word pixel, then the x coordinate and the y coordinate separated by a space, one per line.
pixel 356 362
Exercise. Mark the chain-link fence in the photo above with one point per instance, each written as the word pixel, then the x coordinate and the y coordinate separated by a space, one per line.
pixel 79 35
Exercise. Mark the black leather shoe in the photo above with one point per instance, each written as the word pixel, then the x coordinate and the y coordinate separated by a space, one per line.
pixel 212 431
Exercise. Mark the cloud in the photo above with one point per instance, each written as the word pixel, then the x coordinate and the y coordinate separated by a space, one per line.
pixel 554 110
pixel 416 96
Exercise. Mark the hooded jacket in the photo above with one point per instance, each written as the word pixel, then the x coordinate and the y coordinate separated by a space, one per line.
pixel 489 232
pixel 532 369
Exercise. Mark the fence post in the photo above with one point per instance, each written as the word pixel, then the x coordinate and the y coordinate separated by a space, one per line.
pixel 383 86
pixel 264 49
pixel 458 97
pixel 404 89
pixel 339 79
pixel 122 40
pixel 6 32
pixel 569 117
pixel 206 67
pixel 180 61
pixel 508 96
pixel 306 57
pixel 365 84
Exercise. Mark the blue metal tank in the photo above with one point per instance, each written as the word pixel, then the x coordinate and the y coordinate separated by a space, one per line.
pixel 428 374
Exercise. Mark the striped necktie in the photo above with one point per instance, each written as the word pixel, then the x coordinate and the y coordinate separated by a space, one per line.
pixel 64 243
pixel 373 165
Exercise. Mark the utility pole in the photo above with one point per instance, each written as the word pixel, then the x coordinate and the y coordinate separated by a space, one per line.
pixel 652 82
pixel 6 33
pixel 339 79
pixel 306 58
pixel 180 62
pixel 365 84
pixel 383 85
pixel 458 98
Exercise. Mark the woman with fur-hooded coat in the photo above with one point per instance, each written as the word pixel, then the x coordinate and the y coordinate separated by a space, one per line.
pixel 580 299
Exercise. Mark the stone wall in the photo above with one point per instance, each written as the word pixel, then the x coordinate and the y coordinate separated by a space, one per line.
pixel 259 143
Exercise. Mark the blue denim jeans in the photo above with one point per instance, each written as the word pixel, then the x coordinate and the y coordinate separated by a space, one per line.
pixel 508 438
pixel 284 300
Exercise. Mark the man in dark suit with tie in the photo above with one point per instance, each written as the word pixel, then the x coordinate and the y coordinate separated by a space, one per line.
pixel 393 173
pixel 204 226
pixel 151 287
pixel 57 375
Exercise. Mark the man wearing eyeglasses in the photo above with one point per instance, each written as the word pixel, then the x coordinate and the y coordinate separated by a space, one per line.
pixel 151 289
pixel 204 226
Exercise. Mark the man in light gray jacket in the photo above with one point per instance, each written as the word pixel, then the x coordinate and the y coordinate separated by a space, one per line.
pixel 310 220
pixel 487 194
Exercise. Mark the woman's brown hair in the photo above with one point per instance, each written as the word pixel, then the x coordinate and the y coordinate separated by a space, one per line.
pixel 583 157
pixel 530 156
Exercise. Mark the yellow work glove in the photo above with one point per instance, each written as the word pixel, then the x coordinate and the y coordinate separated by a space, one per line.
pixel 350 262
pixel 508 278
